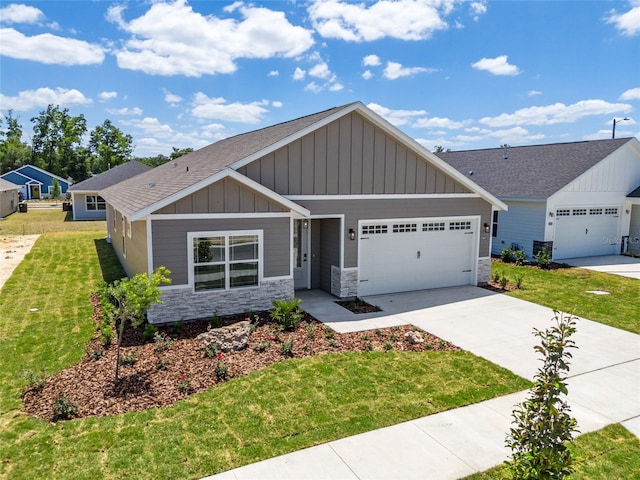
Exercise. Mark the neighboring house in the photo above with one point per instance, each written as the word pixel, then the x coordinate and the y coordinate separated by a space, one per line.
pixel 575 198
pixel 85 195
pixel 8 197
pixel 34 182
pixel 340 200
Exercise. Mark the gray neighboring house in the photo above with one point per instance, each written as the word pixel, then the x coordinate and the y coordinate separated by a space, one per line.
pixel 576 199
pixel 8 197
pixel 87 202
pixel 340 200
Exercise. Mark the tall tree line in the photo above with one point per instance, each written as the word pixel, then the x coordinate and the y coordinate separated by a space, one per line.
pixel 57 145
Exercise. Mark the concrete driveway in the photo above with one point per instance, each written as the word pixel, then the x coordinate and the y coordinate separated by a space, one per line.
pixel 614 264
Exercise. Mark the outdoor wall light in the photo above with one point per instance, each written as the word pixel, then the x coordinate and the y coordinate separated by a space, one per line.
pixel 352 234
pixel 551 214
pixel 486 227
pixel 305 223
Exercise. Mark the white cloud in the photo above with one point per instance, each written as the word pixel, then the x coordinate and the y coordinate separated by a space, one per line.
pixel 107 95
pixel 371 61
pixel 335 87
pixel 477 9
pixel 219 109
pixel 556 113
pixel 516 135
pixel 171 98
pixel 125 111
pixel 395 70
pixel 313 87
pixel 160 44
pixel 627 23
pixel 358 22
pixel 277 104
pixel 41 97
pixel 533 93
pixel 299 74
pixel 273 73
pixel 321 70
pixel 496 66
pixel 631 94
pixel 437 122
pixel 396 117
pixel 49 49
pixel 367 74
pixel 16 13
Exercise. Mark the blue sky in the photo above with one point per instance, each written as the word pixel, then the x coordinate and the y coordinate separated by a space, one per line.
pixel 461 74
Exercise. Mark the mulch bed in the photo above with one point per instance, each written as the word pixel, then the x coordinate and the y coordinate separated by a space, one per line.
pixel 161 378
pixel 358 306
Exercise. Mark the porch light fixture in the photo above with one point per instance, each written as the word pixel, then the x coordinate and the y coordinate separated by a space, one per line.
pixel 486 227
pixel 352 234
pixel 305 223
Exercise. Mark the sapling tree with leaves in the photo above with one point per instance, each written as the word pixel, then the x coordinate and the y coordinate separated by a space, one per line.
pixel 130 298
pixel 543 425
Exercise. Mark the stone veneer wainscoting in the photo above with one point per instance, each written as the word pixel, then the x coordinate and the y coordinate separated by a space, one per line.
pixel 484 270
pixel 344 283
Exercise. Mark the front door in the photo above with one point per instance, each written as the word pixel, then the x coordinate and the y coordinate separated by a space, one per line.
pixel 35 191
pixel 301 253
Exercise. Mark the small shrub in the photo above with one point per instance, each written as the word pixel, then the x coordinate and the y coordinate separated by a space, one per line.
pixel 215 320
pixel 442 344
pixel 35 381
pixel 161 363
pixel 393 337
pixel 287 348
pixel 176 328
pixel 211 351
pixel 95 353
pixel 184 386
pixel 128 359
pixel 162 341
pixel 388 346
pixel 263 346
pixel 311 330
pixel 287 313
pixel 519 257
pixel 506 255
pixel 378 332
pixel 333 343
pixel 368 347
pixel 366 336
pixel 329 333
pixel 64 409
pixel 222 370
pixel 543 258
pixel 428 346
pixel 518 279
pixel 106 335
pixel 149 332
pixel 503 282
pixel 495 276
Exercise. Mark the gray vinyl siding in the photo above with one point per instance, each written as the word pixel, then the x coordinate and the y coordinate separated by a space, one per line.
pixel 355 210
pixel 171 250
pixel 634 230
pixel 225 196
pixel 135 260
pixel 80 211
pixel 521 224
pixel 349 156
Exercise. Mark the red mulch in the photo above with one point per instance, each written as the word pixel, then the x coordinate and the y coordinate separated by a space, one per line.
pixel 89 385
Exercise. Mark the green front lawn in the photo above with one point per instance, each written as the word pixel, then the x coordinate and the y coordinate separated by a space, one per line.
pixel 288 406
pixel 566 290
pixel 45 220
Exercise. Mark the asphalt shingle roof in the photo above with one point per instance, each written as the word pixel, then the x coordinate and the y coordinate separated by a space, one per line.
pixel 111 177
pixel 6 185
pixel 148 188
pixel 531 172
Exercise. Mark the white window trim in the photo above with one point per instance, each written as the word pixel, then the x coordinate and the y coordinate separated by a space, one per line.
pixel 227 234
pixel 96 203
pixel 129 229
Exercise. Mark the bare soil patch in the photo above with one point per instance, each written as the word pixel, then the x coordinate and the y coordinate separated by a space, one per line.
pixel 13 248
pixel 160 378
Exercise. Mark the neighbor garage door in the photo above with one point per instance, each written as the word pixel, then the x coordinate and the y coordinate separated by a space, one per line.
pixel 399 256
pixel 586 232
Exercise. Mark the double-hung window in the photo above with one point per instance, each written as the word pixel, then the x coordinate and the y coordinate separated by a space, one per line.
pixel 95 202
pixel 225 260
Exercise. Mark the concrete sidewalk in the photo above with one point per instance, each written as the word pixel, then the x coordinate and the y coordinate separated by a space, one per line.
pixel 604 388
pixel 613 264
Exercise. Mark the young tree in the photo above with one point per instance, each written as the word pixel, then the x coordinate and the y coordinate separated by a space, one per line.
pixel 55 193
pixel 543 426
pixel 130 298
pixel 110 145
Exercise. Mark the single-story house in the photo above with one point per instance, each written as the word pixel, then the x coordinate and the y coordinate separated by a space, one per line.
pixel 340 200
pixel 575 199
pixel 8 197
pixel 85 196
pixel 34 182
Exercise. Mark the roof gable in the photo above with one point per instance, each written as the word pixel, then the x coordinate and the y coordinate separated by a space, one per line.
pixel 531 172
pixel 40 175
pixel 6 185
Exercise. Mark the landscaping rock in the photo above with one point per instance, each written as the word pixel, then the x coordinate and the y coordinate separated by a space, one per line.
pixel 414 337
pixel 227 339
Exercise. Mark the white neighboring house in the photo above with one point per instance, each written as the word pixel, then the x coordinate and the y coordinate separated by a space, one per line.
pixel 577 199
pixel 85 195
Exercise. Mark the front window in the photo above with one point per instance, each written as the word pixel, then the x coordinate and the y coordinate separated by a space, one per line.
pixel 225 261
pixel 96 202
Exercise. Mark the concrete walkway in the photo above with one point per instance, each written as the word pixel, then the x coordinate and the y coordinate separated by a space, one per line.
pixel 604 388
pixel 614 264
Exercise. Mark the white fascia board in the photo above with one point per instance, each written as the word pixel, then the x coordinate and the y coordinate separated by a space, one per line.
pixel 295 136
pixel 85 192
pixel 217 216
pixel 227 172
pixel 414 145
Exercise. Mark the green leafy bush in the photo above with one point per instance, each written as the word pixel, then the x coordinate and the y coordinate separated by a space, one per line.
pixel 506 255
pixel 519 257
pixel 543 258
pixel 64 409
pixel 149 331
pixel 287 313
pixel 287 348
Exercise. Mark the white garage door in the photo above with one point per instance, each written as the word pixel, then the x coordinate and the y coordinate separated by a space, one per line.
pixel 400 256
pixel 586 232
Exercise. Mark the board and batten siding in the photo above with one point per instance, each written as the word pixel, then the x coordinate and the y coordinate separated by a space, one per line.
pixel 171 250
pixel 523 223
pixel 371 209
pixel 634 230
pixel 329 246
pixel 225 196
pixel 349 156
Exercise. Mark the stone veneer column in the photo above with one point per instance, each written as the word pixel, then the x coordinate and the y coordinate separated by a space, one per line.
pixel 184 304
pixel 344 283
pixel 484 270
